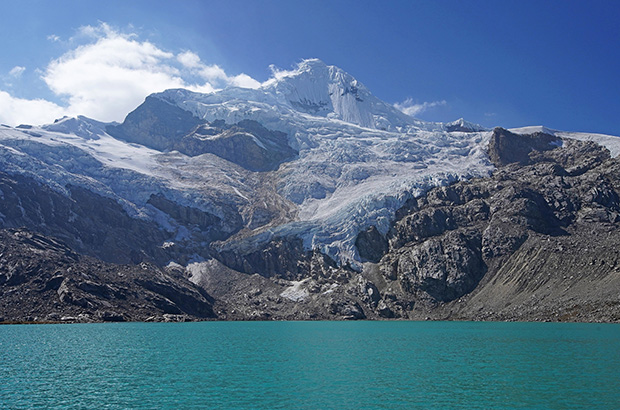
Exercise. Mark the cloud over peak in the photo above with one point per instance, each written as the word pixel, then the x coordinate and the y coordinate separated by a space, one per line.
pixel 105 73
pixel 110 74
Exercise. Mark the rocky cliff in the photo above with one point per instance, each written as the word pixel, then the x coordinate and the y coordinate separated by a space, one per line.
pixel 537 240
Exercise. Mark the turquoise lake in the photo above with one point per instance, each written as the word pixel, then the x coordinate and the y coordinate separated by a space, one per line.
pixel 310 365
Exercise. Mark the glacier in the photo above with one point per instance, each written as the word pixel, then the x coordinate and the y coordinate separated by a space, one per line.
pixel 359 160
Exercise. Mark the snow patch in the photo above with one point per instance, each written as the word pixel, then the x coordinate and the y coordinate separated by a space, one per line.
pixel 196 270
pixel 296 292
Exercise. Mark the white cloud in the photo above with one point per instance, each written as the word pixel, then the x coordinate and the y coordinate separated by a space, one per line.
pixel 22 111
pixel 53 38
pixel 96 32
pixel 214 74
pixel 413 109
pixel 17 71
pixel 278 73
pixel 189 59
pixel 109 78
pixel 111 74
pixel 244 81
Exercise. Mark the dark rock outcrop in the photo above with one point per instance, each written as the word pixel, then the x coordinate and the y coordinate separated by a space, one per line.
pixel 506 147
pixel 156 124
pixel 456 248
pixel 208 226
pixel 166 127
pixel 246 143
pixel 280 257
pixel 43 280
pixel 371 245
pixel 87 222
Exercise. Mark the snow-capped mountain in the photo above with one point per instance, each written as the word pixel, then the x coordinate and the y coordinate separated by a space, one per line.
pixel 313 90
pixel 307 198
pixel 311 155
pixel 320 90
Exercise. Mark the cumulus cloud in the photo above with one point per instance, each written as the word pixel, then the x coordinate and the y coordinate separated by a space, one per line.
pixel 110 74
pixel 214 74
pixel 413 109
pixel 189 59
pixel 110 77
pixel 22 111
pixel 17 71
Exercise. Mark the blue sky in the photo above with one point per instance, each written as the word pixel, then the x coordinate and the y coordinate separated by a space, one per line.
pixel 508 63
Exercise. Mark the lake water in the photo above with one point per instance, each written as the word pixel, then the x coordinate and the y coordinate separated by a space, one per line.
pixel 311 365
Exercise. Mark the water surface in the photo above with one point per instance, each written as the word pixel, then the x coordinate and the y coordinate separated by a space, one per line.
pixel 311 365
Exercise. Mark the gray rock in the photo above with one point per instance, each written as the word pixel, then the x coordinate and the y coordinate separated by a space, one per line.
pixel 70 287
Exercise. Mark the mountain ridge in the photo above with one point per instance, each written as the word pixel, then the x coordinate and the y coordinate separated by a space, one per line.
pixel 301 181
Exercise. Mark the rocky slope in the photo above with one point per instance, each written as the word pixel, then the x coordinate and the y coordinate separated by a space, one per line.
pixel 42 280
pixel 535 241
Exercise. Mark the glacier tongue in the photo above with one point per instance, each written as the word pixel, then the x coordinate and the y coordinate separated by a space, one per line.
pixel 348 182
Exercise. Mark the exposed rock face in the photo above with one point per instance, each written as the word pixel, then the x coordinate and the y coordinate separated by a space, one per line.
pixel 283 257
pixel 87 222
pixel 156 124
pixel 465 242
pixel 42 280
pixel 207 226
pixel 444 268
pixel 165 127
pixel 506 148
pixel 371 245
pixel 246 143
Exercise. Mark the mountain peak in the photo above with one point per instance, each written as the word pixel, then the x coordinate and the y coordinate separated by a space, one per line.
pixel 81 126
pixel 312 64
pixel 319 89
pixel 463 126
